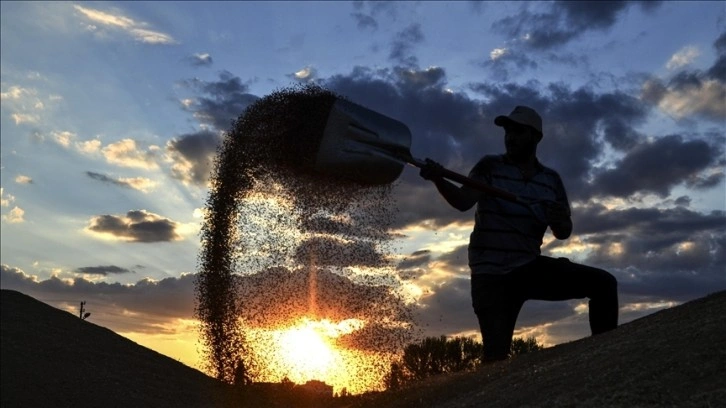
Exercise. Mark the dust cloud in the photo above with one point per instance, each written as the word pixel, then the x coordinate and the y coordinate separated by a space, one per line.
pixel 283 245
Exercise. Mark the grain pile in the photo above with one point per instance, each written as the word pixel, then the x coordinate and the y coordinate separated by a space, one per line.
pixel 282 244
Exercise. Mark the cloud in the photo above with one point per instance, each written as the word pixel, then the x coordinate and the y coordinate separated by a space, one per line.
pixel 116 306
pixel 307 74
pixel 192 156
pixel 20 118
pixel 681 98
pixel 364 21
pixel 672 253
pixel 200 60
pixel 228 98
pixel 135 226
pixel 366 13
pixel 657 166
pixel 63 138
pixel 21 179
pixel 24 104
pixel 403 44
pixel 415 260
pixel 142 184
pixel 683 57
pixel 688 93
pixel 139 31
pixel 15 216
pixel 89 146
pixel 128 153
pixel 5 200
pixel 103 270
pixel 563 21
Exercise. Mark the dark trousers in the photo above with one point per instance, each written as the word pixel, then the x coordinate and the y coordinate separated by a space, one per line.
pixel 497 299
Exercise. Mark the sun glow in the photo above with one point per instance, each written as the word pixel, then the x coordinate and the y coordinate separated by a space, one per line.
pixel 307 350
pixel 311 350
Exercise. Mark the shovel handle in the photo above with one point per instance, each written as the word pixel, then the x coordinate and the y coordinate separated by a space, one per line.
pixel 470 182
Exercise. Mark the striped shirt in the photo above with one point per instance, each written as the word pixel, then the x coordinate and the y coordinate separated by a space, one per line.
pixel 507 235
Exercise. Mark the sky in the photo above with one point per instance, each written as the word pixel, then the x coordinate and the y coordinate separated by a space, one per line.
pixel 111 113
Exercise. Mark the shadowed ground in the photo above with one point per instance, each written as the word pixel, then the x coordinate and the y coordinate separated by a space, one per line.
pixel 51 358
pixel 672 358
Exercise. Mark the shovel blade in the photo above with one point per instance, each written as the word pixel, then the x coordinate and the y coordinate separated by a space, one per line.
pixel 362 145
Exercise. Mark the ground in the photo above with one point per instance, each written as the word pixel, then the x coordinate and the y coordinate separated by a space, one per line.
pixel 672 358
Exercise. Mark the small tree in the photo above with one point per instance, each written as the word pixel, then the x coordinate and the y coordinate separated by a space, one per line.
pixel 523 346
pixel 438 355
pixel 432 356
pixel 83 314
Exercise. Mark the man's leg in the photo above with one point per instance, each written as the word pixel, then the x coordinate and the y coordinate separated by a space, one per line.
pixel 497 313
pixel 559 279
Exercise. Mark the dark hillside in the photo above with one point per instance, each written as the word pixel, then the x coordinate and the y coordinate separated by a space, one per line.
pixel 672 358
pixel 51 358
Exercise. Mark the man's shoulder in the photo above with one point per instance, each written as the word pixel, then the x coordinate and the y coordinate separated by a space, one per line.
pixel 549 171
pixel 487 163
pixel 491 160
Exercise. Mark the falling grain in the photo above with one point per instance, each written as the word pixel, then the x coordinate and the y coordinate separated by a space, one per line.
pixel 282 244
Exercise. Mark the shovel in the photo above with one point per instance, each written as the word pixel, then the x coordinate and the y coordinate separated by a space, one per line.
pixel 370 148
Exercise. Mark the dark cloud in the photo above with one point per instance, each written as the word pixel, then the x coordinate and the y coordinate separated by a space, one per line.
pixel 638 222
pixel 510 63
pixel 403 44
pixel 576 121
pixel 102 270
pixel 677 253
pixel 693 93
pixel 227 99
pixel 136 226
pixel 106 179
pixel 193 155
pixel 447 308
pixel 673 251
pixel 136 183
pixel 456 130
pixel 657 166
pixel 364 21
pixel 200 60
pixel 111 304
pixel 563 21
pixel 457 259
pixel 367 13
pixel 416 259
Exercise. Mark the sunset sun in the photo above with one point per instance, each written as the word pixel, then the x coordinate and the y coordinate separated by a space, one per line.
pixel 307 350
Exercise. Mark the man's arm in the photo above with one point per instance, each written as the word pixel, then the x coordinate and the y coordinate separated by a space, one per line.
pixel 558 213
pixel 462 198
pixel 558 217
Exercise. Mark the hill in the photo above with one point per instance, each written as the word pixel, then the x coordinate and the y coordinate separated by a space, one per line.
pixel 51 358
pixel 672 358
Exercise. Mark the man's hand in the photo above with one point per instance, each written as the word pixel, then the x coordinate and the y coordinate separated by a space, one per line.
pixel 558 218
pixel 556 213
pixel 431 170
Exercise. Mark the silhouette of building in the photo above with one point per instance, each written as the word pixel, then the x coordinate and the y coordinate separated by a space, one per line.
pixel 317 388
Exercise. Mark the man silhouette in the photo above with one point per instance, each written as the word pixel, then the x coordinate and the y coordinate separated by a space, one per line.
pixel 505 259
